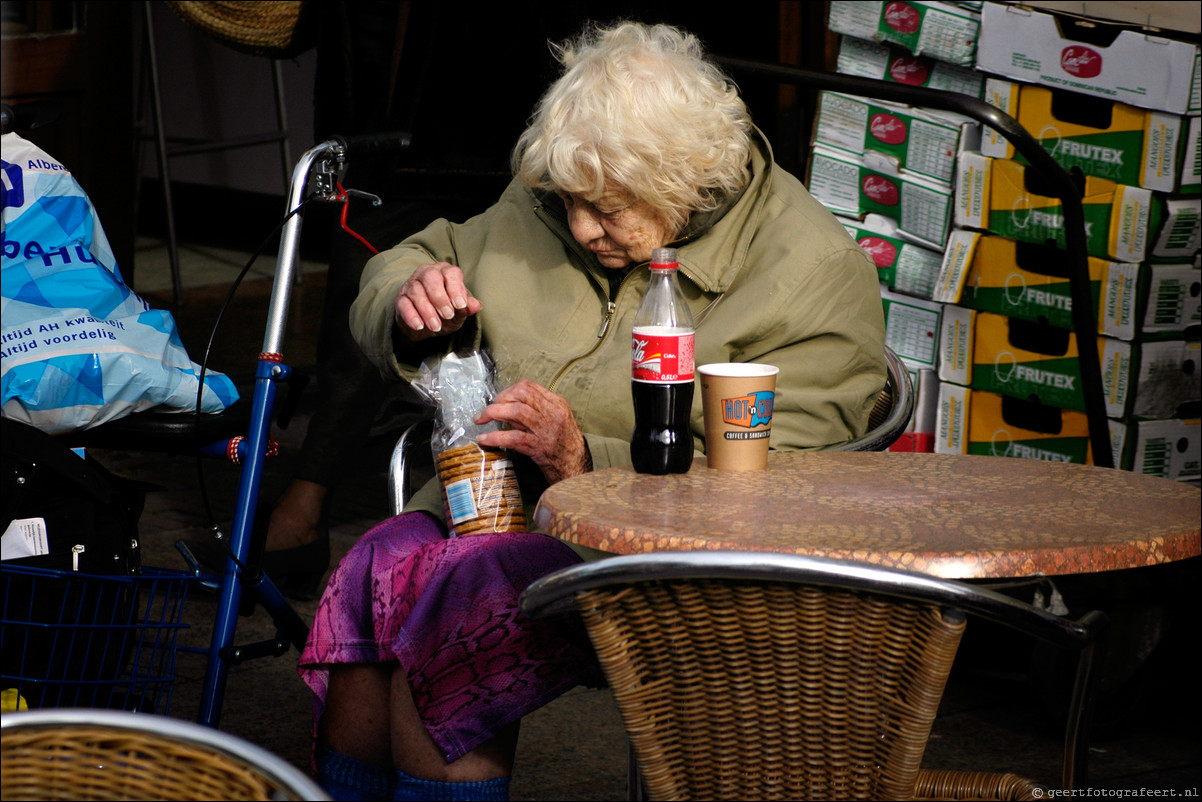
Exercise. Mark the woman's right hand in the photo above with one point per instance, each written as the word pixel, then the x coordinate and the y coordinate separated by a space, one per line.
pixel 433 302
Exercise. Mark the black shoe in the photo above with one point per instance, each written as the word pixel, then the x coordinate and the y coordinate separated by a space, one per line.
pixel 298 571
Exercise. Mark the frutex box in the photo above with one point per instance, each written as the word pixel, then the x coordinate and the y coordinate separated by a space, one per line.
pixel 1029 281
pixel 983 423
pixel 895 138
pixel 900 265
pixel 1101 137
pixel 1171 449
pixel 897 65
pixel 1033 361
pixel 1109 60
pixel 943 31
pixel 1007 198
pixel 845 185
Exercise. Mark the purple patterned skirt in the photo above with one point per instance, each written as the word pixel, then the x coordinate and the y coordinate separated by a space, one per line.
pixel 447 611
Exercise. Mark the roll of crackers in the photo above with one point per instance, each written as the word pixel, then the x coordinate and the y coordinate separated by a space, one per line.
pixel 480 490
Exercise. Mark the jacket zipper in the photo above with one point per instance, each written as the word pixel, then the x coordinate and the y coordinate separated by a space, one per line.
pixel 611 305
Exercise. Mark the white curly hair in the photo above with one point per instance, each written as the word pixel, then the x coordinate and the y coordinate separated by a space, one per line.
pixel 640 107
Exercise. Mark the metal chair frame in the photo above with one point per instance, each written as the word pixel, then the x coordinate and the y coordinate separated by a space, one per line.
pixel 557 594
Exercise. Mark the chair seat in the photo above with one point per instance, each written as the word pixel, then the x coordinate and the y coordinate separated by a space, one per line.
pixel 937 785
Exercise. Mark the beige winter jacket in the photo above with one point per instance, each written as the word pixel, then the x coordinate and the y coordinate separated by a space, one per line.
pixel 775 279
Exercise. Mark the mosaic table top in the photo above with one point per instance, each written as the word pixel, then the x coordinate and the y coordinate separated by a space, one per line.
pixel 945 515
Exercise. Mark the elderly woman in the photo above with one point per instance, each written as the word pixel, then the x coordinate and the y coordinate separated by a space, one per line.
pixel 422 664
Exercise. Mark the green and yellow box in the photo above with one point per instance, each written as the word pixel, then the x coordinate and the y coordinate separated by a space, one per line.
pixel 988 424
pixel 1100 137
pixel 1031 361
pixel 1006 198
pixel 1031 282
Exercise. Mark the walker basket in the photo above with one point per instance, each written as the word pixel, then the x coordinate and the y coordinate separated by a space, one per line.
pixel 84 640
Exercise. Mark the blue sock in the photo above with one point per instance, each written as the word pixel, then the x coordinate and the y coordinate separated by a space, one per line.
pixel 343 777
pixel 411 788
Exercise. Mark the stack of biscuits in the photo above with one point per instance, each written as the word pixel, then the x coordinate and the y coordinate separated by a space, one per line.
pixel 480 491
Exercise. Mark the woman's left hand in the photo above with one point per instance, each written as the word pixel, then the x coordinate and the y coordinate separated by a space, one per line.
pixel 541 426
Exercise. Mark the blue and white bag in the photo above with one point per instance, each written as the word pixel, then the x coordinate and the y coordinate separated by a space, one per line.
pixel 79 347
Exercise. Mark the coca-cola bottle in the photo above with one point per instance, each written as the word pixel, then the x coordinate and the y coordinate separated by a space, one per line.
pixel 662 373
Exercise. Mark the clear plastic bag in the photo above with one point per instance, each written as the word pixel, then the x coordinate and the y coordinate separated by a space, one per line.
pixel 480 490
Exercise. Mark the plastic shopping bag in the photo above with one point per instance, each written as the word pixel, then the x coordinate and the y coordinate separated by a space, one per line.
pixel 79 347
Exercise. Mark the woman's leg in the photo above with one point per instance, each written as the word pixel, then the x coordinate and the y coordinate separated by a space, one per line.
pixel 370 717
pixel 415 753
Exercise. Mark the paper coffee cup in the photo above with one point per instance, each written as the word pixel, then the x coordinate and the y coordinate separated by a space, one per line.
pixel 737 400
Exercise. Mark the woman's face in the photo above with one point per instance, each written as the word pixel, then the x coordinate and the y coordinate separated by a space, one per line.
pixel 617 228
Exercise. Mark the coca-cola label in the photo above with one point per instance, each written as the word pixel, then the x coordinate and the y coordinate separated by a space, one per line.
pixel 909 70
pixel 881 190
pixel 883 252
pixel 887 128
pixel 902 17
pixel 749 411
pixel 1081 61
pixel 664 355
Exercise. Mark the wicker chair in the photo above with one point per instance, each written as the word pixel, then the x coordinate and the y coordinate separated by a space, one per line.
pixel 109 755
pixel 744 675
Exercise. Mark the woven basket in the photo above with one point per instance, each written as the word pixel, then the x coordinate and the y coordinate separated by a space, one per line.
pixel 280 29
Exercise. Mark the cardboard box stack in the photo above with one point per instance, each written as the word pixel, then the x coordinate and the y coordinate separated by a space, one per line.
pixel 988 333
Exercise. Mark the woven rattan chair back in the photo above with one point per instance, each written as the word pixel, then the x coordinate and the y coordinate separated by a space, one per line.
pixel 75 754
pixel 742 675
pixel 753 690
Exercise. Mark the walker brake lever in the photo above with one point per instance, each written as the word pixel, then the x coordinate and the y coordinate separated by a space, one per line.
pixel 358 193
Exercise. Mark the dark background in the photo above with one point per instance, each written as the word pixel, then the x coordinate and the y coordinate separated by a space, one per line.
pixel 469 74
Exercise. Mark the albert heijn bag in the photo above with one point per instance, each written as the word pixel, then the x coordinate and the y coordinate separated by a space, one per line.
pixel 79 347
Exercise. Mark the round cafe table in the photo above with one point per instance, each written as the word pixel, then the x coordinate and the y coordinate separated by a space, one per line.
pixel 945 515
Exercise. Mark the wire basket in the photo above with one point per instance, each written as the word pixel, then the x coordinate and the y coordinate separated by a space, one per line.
pixel 85 640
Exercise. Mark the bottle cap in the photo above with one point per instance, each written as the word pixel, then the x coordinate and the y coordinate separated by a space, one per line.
pixel 664 258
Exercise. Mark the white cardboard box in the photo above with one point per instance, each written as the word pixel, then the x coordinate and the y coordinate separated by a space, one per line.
pixel 845 185
pixel 912 329
pixel 902 266
pixel 895 138
pixel 943 31
pixel 1191 162
pixel 869 60
pixel 1137 68
pixel 1171 448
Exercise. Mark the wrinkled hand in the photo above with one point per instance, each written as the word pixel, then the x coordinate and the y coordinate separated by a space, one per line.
pixel 434 302
pixel 541 426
